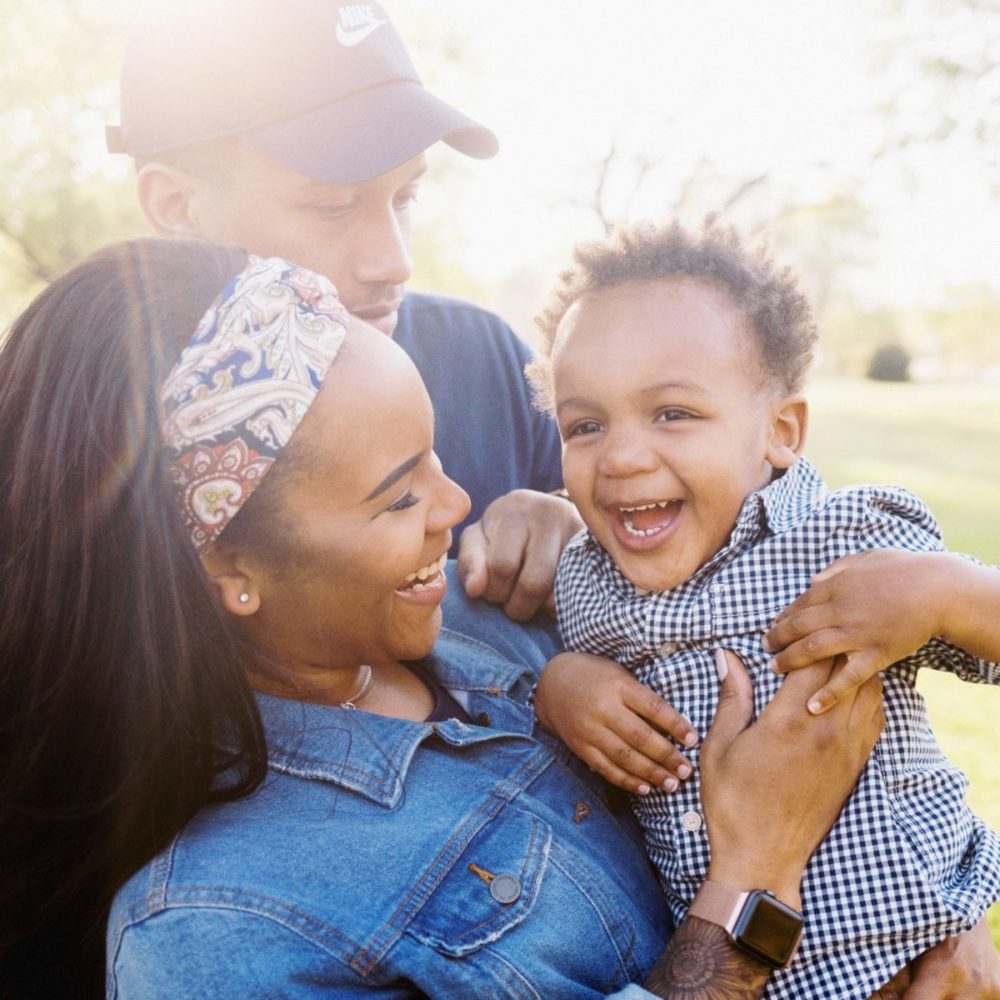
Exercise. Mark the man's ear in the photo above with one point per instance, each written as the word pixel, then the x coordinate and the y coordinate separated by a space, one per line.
pixel 789 420
pixel 235 582
pixel 167 197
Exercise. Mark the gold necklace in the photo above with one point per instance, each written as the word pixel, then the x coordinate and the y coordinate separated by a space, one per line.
pixel 351 702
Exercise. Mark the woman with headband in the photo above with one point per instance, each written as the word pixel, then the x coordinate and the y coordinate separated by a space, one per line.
pixel 226 694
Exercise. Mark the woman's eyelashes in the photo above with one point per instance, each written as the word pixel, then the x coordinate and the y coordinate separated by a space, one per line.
pixel 408 499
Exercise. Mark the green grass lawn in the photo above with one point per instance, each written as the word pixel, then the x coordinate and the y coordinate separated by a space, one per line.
pixel 943 443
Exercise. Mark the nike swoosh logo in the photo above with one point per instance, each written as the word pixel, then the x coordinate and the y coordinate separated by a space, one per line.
pixel 349 37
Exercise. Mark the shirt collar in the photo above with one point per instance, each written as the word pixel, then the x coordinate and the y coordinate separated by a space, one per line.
pixel 371 754
pixel 781 505
pixel 785 503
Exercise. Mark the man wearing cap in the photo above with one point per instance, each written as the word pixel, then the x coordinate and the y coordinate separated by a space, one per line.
pixel 298 129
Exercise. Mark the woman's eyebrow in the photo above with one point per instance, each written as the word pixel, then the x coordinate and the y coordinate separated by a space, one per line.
pixel 396 474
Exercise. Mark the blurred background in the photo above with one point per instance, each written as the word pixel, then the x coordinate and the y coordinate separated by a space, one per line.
pixel 859 138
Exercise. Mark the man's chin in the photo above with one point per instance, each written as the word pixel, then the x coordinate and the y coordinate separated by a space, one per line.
pixel 382 318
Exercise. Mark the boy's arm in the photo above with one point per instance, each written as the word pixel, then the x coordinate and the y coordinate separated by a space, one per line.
pixel 614 724
pixel 875 608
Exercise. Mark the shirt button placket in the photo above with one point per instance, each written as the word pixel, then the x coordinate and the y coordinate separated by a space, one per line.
pixel 691 821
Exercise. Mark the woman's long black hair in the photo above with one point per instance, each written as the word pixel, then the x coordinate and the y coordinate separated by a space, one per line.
pixel 123 697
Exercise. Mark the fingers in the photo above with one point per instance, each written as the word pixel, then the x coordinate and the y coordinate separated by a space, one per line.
pixel 869 712
pixel 851 672
pixel 654 709
pixel 799 620
pixel 630 754
pixel 534 585
pixel 550 606
pixel 505 547
pixel 798 687
pixel 837 566
pixel 504 567
pixel 628 768
pixel 814 648
pixel 735 707
pixel 608 719
pixel 471 563
pixel 510 556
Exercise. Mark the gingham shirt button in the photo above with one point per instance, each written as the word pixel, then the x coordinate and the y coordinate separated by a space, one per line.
pixel 667 648
pixel 691 821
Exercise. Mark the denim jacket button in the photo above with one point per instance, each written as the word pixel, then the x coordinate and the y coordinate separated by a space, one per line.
pixel 505 888
pixel 483 718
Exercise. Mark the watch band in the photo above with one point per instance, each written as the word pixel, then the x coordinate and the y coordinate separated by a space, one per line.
pixel 756 921
pixel 718 904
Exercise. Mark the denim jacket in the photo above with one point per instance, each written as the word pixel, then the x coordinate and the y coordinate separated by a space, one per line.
pixel 390 858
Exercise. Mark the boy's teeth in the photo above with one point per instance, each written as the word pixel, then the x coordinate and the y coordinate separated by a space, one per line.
pixel 637 532
pixel 646 506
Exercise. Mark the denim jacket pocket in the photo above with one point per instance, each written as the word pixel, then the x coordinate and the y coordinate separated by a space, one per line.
pixel 489 889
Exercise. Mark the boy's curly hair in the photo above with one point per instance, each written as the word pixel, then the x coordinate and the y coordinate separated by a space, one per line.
pixel 777 312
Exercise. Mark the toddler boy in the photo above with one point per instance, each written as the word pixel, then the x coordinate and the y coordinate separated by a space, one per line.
pixel 674 365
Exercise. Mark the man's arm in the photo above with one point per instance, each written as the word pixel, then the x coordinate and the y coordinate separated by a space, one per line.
pixel 700 963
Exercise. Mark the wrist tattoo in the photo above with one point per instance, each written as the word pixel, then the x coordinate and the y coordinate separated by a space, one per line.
pixel 701 963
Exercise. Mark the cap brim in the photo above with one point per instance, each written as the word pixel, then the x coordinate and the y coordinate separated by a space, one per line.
pixel 369 133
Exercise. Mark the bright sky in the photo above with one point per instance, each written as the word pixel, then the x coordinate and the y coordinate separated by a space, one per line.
pixel 776 86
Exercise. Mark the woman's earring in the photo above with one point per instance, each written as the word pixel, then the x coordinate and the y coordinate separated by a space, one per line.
pixel 244 598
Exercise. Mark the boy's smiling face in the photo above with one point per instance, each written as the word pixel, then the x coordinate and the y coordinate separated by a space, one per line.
pixel 668 422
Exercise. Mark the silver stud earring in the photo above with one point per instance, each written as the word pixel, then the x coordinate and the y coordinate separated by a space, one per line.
pixel 244 598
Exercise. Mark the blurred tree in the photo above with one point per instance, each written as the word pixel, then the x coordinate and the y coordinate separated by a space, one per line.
pixel 612 186
pixel 941 64
pixel 61 197
pixel 889 363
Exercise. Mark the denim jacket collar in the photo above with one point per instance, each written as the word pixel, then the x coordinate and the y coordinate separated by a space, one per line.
pixel 370 754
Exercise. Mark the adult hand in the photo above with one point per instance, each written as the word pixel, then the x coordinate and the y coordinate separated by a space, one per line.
pixel 510 556
pixel 965 967
pixel 868 610
pixel 771 791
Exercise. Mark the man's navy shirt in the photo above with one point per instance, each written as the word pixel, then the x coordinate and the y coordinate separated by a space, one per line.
pixel 490 438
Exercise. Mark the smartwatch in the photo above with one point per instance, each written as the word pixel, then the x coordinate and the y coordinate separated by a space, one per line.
pixel 756 922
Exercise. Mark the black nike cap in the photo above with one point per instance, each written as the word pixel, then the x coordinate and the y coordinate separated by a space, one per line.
pixel 326 89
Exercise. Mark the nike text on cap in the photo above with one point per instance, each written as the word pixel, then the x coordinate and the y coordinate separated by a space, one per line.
pixel 326 89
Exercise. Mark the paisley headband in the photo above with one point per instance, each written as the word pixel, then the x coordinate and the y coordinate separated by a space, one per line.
pixel 242 386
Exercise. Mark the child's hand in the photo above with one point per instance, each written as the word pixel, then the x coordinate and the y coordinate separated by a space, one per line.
pixel 867 610
pixel 614 724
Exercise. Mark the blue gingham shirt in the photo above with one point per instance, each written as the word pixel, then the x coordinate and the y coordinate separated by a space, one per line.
pixel 907 862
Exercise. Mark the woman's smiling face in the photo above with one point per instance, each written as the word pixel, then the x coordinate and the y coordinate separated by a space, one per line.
pixel 366 506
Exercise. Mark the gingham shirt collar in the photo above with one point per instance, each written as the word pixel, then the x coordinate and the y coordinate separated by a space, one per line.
pixel 785 503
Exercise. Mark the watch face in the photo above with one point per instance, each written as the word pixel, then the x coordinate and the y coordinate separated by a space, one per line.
pixel 769 929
